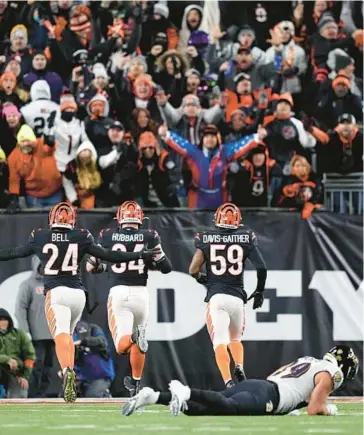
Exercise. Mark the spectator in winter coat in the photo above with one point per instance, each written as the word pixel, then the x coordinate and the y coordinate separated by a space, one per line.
pixel 40 113
pixel 141 122
pixel 127 72
pixel 285 135
pixel 30 314
pixel 79 35
pixel 98 120
pixel 82 177
pixel 8 90
pixel 328 39
pixel 159 22
pixel 155 174
pixel 261 75
pixel 342 64
pixel 237 127
pixel 194 85
pixel 249 179
pixel 40 71
pixel 243 98
pixel 18 47
pixel 221 50
pixel 10 126
pixel 288 57
pixel 94 366
pixel 117 165
pixel 335 100
pixel 172 66
pixel 208 163
pixel 4 180
pixel 33 162
pixel 142 97
pixel 191 24
pixel 189 119
pixel 68 132
pixel 301 190
pixel 343 148
pixel 17 358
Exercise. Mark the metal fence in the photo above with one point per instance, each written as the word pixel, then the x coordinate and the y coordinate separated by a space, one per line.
pixel 343 193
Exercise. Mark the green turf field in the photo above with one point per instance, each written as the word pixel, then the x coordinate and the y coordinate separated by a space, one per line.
pixel 104 419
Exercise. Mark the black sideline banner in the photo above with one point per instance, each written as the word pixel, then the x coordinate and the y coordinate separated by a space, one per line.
pixel 314 297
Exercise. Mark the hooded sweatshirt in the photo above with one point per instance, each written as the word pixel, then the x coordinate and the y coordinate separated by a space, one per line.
pixel 29 309
pixel 15 344
pixel 52 78
pixel 37 113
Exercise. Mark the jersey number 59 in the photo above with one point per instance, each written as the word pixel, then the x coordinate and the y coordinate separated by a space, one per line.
pixel 225 258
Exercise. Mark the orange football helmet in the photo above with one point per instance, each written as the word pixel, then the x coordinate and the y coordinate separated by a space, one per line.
pixel 227 216
pixel 129 212
pixel 62 215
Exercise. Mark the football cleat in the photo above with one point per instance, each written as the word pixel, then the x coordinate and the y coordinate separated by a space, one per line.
pixel 229 384
pixel 180 394
pixel 139 338
pixel 132 385
pixel 69 386
pixel 147 396
pixel 240 373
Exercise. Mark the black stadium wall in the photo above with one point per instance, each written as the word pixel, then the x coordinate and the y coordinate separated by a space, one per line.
pixel 314 297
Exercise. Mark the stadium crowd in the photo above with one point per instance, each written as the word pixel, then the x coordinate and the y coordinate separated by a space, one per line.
pixel 107 101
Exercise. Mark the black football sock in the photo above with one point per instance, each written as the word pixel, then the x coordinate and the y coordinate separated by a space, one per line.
pixel 164 398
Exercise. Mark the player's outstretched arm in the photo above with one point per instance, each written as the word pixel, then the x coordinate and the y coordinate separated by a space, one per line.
pixel 122 257
pixel 18 252
pixel 323 387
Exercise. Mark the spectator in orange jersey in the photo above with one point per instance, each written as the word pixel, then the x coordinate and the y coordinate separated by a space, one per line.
pixel 33 162
pixel 301 190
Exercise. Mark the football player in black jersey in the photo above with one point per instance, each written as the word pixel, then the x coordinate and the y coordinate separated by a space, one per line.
pixel 128 302
pixel 60 250
pixel 224 250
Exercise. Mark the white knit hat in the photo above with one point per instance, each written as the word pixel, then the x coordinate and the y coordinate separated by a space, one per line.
pixel 161 9
pixel 99 70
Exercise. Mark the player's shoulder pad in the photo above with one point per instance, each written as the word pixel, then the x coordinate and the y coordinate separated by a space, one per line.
pixel 85 234
pixel 252 236
pixel 153 234
pixel 199 239
pixel 35 232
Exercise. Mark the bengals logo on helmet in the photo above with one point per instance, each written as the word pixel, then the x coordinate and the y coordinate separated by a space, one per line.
pixel 227 216
pixel 130 212
pixel 62 215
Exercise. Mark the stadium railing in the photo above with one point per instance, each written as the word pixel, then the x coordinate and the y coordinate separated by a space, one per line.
pixel 343 193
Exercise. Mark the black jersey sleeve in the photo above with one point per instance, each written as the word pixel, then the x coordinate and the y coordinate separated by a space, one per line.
pixel 256 258
pixel 18 252
pixel 113 256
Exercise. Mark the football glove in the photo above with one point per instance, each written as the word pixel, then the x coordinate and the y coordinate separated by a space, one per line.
pixel 201 278
pixel 148 254
pixel 258 297
pixel 14 206
pixel 331 409
pixel 98 265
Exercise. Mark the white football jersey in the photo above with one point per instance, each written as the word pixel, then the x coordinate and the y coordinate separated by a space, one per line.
pixel 296 381
pixel 36 114
pixel 68 136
